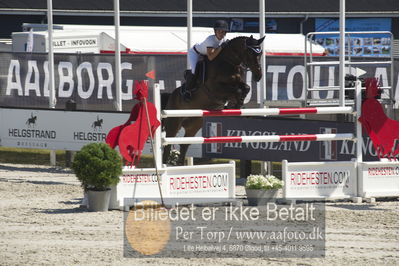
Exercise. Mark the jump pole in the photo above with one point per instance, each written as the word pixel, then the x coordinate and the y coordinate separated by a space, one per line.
pixel 245 139
pixel 256 112
pixel 157 136
pixel 342 62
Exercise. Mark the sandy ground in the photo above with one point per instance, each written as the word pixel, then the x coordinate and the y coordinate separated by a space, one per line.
pixel 41 223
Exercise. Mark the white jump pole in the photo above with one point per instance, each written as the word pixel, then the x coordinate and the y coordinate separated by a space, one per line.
pixel 190 160
pixel 118 76
pixel 265 166
pixel 52 98
pixel 342 52
pixel 262 30
pixel 359 137
pixel 245 139
pixel 256 111
pixel 189 26
pixel 158 132
pixel 359 134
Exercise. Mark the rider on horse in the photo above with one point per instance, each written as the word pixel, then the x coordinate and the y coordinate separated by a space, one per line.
pixel 210 47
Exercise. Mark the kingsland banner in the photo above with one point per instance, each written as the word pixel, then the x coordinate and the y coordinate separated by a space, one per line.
pixel 296 151
pixel 89 79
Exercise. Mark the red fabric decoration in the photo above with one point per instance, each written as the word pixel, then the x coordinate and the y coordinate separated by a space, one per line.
pixel 112 138
pixel 131 136
pixel 382 130
pixel 140 90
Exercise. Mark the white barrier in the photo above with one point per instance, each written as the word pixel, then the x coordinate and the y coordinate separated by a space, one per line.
pixel 378 179
pixel 182 184
pixel 319 180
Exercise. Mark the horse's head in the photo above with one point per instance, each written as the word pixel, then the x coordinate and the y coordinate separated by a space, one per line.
pixel 251 56
pixel 246 51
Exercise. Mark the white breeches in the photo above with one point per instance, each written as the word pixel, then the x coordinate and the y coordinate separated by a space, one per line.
pixel 192 59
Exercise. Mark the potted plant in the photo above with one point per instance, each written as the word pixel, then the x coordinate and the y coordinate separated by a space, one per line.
pixel 261 189
pixel 98 167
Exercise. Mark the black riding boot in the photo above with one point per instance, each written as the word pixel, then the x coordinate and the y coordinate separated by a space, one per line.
pixel 189 84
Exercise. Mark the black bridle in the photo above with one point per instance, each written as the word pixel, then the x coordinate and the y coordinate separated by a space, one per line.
pixel 239 59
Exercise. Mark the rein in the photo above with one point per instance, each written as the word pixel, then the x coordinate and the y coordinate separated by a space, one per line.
pixel 236 60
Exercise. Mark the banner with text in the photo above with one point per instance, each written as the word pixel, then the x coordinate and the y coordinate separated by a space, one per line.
pixel 55 129
pixel 297 151
pixel 315 180
pixel 89 79
pixel 379 179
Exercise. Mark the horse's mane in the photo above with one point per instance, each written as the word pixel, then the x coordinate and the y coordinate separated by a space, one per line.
pixel 239 37
pixel 233 42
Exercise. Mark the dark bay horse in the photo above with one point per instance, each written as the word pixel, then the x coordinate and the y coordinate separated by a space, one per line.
pixel 224 84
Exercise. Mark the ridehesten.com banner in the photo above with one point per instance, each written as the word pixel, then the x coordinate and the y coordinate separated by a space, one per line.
pixel 89 79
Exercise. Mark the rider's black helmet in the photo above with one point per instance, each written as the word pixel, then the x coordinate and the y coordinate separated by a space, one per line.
pixel 221 25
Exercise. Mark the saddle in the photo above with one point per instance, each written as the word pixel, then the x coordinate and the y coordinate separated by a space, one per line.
pixel 198 78
pixel 200 70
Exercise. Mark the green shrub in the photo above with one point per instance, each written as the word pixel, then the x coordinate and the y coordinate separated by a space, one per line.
pixel 97 166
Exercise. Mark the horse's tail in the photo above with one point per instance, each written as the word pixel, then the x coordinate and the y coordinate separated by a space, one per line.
pixel 164 100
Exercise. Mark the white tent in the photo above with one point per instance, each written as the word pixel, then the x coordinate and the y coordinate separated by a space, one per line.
pixel 65 42
pixel 158 40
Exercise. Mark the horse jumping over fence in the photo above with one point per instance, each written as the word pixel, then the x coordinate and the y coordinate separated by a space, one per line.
pixel 224 84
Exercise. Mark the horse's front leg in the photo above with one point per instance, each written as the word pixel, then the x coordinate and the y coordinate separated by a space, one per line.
pixel 241 91
pixel 244 89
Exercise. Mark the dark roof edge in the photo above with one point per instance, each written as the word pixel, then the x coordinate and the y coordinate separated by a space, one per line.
pixel 66 12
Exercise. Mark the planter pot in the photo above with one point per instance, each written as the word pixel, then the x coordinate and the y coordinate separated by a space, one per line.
pixel 98 200
pixel 258 197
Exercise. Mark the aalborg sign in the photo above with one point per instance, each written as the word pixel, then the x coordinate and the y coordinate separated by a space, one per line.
pixel 54 129
pixel 89 79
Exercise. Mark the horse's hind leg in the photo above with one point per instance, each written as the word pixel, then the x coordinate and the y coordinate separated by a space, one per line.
pixel 191 128
pixel 172 126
